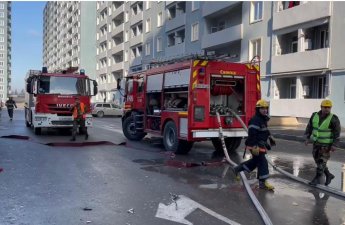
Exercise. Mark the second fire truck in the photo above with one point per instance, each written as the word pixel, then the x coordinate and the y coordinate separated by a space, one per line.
pixel 179 102
pixel 50 96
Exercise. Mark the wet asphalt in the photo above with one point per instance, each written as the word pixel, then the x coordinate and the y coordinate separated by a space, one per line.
pixel 124 184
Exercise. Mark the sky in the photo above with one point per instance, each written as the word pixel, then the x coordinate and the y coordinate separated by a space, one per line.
pixel 27 40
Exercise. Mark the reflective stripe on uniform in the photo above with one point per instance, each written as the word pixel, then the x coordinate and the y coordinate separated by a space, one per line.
pixel 257 128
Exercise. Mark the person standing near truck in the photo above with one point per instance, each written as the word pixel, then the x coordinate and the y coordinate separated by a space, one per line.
pixel 10 104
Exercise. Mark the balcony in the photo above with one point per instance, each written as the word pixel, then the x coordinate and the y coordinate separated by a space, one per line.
pixel 178 21
pixel 102 55
pixel 297 15
pixel 119 10
pixel 116 67
pixel 210 7
pixel 102 38
pixel 225 36
pixel 301 61
pixel 136 40
pixel 102 22
pixel 118 29
pixel 292 107
pixel 102 70
pixel 117 48
pixel 136 18
pixel 136 61
pixel 178 49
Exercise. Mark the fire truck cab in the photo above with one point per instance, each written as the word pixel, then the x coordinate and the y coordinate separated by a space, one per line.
pixel 50 97
pixel 179 103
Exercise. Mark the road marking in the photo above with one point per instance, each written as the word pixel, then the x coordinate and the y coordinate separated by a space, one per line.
pixel 182 207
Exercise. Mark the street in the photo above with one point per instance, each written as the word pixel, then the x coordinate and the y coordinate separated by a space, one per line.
pixel 126 182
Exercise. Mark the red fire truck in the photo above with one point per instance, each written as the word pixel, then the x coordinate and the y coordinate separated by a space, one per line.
pixel 179 101
pixel 50 96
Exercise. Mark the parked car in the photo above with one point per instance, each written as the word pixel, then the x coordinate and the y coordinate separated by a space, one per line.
pixel 106 109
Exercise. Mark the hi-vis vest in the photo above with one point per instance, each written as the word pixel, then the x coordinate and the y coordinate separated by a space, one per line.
pixel 75 110
pixel 322 134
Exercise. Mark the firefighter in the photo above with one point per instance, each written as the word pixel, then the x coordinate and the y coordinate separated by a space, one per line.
pixel 258 134
pixel 79 111
pixel 324 130
pixel 10 104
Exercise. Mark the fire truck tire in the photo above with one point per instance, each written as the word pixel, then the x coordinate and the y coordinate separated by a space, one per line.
pixel 37 130
pixel 129 131
pixel 231 144
pixel 100 114
pixel 171 141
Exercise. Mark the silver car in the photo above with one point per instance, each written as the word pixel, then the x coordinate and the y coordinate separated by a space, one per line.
pixel 106 109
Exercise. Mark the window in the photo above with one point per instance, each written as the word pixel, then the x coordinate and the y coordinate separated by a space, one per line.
pixel 2 31
pixel 1 80
pixel 159 44
pixel 195 32
pixel 2 23
pixel 147 48
pixel 2 14
pixel 148 25
pixel 2 6
pixel 256 11
pixel 255 48
pixel 1 63
pixel 294 44
pixel 2 55
pixel 1 72
pixel 2 39
pixel 159 19
pixel 322 87
pixel 324 38
pixel 1 87
pixel 195 5
pixel 2 47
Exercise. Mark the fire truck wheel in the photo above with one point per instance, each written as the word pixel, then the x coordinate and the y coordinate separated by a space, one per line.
pixel 171 141
pixel 37 130
pixel 129 130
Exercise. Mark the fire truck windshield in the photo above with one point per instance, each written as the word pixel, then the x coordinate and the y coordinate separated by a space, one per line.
pixel 63 85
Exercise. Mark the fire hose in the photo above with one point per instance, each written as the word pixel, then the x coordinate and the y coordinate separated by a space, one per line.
pixel 255 201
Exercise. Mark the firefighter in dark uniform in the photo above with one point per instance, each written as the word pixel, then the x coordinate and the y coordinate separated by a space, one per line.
pixel 10 104
pixel 79 111
pixel 258 135
pixel 324 131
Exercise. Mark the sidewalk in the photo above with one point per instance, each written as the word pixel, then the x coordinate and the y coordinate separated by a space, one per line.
pixel 296 133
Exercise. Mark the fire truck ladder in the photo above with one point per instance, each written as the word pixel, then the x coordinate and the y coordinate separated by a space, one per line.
pixel 138 121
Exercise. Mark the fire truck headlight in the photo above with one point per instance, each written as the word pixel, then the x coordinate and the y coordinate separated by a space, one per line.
pixel 40 118
pixel 228 120
pixel 199 113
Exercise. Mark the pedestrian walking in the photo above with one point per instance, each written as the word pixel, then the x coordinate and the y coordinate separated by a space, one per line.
pixel 258 135
pixel 10 104
pixel 79 111
pixel 323 130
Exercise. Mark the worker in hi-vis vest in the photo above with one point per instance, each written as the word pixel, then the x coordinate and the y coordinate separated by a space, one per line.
pixel 323 130
pixel 79 111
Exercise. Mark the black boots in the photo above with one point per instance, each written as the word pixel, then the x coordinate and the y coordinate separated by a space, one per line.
pixel 316 179
pixel 237 169
pixel 329 177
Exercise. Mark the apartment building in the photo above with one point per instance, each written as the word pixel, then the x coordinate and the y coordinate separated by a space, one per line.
pixel 299 44
pixel 5 50
pixel 69 38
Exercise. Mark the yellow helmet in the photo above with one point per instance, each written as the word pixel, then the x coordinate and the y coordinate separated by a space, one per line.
pixel 326 103
pixel 261 104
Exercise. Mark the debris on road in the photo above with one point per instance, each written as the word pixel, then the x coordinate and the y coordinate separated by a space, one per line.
pixel 87 209
pixel 131 211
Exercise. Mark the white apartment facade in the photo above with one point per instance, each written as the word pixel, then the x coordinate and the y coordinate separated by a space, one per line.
pixel 69 36
pixel 5 49
pixel 299 44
